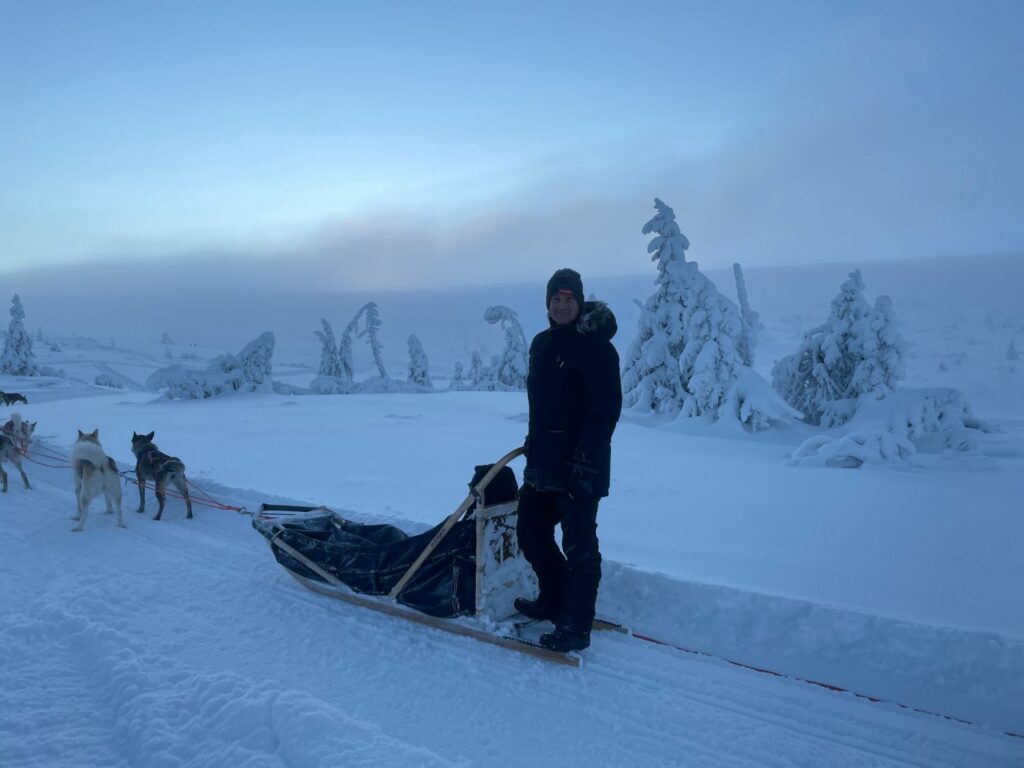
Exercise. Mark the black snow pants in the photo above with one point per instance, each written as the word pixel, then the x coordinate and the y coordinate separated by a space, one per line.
pixel 568 583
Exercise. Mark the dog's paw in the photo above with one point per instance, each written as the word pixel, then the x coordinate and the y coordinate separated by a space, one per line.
pixel 121 525
pixel 77 528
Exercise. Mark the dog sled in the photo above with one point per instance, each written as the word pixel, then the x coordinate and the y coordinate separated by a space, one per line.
pixel 461 576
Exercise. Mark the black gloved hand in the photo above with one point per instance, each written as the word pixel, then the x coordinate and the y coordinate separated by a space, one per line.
pixel 582 477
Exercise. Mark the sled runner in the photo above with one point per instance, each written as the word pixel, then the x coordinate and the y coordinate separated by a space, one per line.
pixel 460 576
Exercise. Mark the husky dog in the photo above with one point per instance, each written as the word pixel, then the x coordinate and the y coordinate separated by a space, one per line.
pixel 15 436
pixel 10 398
pixel 152 464
pixel 95 473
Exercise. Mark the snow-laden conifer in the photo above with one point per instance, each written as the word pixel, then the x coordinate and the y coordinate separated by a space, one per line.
pixel 513 364
pixel 346 368
pixel 1011 352
pixel 17 357
pixel 882 350
pixel 651 379
pixel 419 366
pixel 371 330
pixel 166 338
pixel 857 351
pixel 256 363
pixel 750 319
pixel 329 363
pixel 458 381
pixel 685 358
pixel 476 370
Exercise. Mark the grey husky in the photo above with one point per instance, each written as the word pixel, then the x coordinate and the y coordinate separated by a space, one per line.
pixel 14 439
pixel 95 474
pixel 152 464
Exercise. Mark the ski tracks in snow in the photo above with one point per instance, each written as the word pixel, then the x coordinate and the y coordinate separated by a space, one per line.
pixel 182 643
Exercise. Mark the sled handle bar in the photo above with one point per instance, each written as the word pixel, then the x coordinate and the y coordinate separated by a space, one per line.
pixel 475 492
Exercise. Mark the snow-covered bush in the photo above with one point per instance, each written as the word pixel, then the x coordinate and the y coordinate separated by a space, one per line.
pixel 685 359
pixel 853 450
pixel 330 385
pixel 329 363
pixel 248 371
pixel 513 365
pixel 419 366
pixel 858 351
pixel 106 380
pixel 751 401
pixel 17 358
pixel 893 430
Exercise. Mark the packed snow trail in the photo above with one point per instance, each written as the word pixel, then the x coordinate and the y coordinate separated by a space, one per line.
pixel 183 643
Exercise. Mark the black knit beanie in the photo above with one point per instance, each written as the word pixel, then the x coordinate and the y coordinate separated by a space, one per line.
pixel 566 280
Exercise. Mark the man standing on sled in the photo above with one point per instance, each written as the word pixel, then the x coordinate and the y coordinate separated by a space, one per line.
pixel 575 399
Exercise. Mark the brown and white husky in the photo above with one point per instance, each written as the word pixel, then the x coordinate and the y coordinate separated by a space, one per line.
pixel 95 474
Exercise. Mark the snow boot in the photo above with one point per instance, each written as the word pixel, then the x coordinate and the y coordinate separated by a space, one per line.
pixel 565 638
pixel 537 610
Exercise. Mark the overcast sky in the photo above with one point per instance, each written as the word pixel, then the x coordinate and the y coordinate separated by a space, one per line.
pixel 413 144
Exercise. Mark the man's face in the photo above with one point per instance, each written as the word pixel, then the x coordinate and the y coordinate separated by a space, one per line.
pixel 563 308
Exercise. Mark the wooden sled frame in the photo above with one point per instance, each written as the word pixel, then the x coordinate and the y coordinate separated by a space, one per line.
pixel 389 605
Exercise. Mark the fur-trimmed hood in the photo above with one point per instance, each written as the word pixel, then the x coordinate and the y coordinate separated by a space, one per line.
pixel 597 319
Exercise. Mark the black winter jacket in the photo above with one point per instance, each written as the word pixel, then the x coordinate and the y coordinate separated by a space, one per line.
pixel 575 399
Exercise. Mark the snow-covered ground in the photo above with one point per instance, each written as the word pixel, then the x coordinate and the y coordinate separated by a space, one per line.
pixel 184 643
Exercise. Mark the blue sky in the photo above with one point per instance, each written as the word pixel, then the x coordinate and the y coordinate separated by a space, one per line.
pixel 419 143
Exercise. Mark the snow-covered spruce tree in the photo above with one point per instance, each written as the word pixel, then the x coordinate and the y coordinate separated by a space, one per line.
pixel 256 364
pixel 685 358
pixel 751 320
pixel 1011 352
pixel 329 364
pixel 651 379
pixel 419 366
pixel 346 368
pixel 513 365
pixel 370 330
pixel 882 350
pixel 854 352
pixel 166 338
pixel 457 382
pixel 17 358
pixel 476 367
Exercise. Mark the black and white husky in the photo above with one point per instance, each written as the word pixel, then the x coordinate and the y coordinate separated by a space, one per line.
pixel 152 464
pixel 15 436
pixel 95 474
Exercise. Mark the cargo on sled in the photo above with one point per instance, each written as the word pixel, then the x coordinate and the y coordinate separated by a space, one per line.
pixel 461 576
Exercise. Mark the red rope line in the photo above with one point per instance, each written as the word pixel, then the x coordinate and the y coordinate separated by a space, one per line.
pixel 208 501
